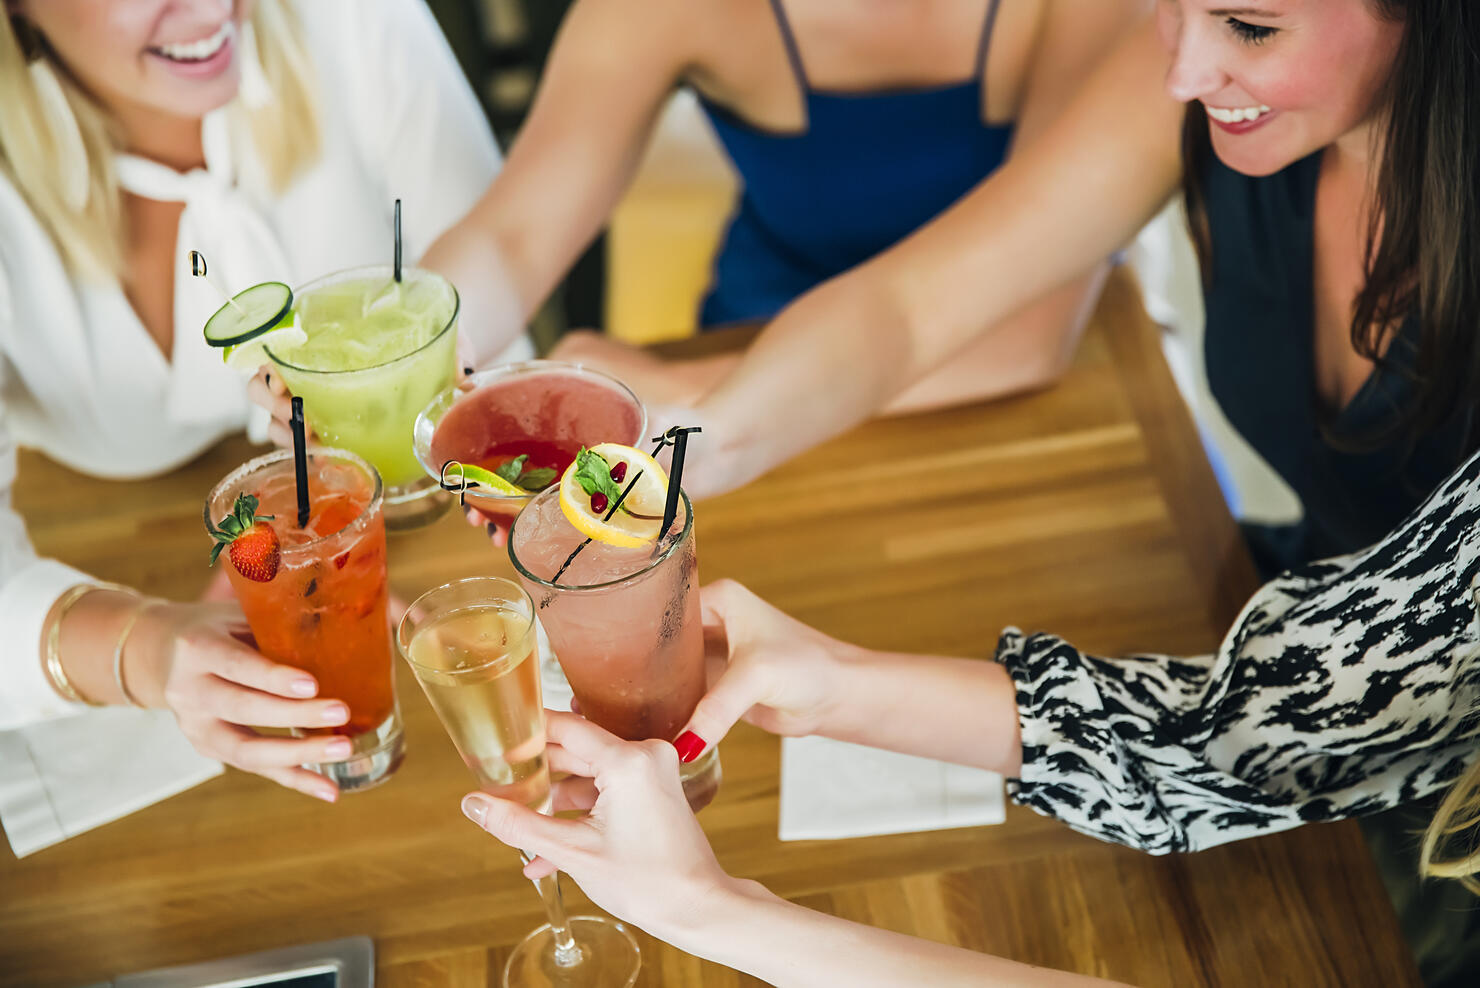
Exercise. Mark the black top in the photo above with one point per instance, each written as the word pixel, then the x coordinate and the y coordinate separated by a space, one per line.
pixel 1260 356
pixel 1260 352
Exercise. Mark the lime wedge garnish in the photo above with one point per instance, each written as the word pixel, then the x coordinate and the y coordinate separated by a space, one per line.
pixel 483 478
pixel 247 357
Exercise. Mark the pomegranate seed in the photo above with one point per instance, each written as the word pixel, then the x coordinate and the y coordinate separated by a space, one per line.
pixel 598 502
pixel 619 472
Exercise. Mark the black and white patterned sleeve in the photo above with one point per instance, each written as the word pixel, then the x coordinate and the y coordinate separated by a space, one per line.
pixel 1345 687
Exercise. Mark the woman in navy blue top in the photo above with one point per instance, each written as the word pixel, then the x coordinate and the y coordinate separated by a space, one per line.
pixel 849 124
pixel 865 169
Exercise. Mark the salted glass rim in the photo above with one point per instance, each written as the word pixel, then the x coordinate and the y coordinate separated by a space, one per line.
pixel 237 477
pixel 366 271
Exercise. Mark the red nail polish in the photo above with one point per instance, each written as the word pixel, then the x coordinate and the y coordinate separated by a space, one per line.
pixel 690 746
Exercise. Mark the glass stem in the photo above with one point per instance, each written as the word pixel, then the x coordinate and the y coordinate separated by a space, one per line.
pixel 567 954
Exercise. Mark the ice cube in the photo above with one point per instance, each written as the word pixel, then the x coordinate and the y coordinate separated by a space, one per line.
pixel 390 295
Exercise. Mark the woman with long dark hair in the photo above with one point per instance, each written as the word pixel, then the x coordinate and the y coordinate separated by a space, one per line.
pixel 271 135
pixel 1330 152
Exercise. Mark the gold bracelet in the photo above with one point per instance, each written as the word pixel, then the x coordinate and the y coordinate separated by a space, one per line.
pixel 128 628
pixel 52 664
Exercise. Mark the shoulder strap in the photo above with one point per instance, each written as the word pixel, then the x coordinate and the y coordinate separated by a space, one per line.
pixel 792 51
pixel 986 41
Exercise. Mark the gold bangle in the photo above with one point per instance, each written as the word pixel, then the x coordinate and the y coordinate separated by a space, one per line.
pixel 128 628
pixel 52 664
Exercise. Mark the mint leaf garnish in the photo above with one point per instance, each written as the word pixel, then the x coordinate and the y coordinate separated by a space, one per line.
pixel 536 479
pixel 511 469
pixel 595 475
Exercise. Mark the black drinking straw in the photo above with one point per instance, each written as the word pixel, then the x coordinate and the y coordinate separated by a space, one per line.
pixel 398 240
pixel 680 439
pixel 300 461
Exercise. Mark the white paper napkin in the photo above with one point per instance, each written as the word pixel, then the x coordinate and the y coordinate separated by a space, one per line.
pixel 60 778
pixel 832 789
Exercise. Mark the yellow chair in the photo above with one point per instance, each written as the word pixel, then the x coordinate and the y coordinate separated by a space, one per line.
pixel 664 232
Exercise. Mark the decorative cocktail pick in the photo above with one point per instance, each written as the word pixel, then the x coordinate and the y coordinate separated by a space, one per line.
pixel 680 439
pixel 460 488
pixel 398 241
pixel 300 460
pixel 198 268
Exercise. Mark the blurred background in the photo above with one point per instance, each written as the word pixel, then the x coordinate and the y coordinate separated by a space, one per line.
pixel 642 279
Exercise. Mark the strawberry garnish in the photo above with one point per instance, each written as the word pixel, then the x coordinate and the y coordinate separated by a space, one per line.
pixel 254 547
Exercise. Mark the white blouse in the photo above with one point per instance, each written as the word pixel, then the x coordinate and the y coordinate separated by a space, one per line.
pixel 80 376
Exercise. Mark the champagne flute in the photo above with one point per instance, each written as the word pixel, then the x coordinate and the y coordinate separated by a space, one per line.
pixel 472 646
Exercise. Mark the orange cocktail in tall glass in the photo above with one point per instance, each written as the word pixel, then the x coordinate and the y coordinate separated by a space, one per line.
pixel 324 608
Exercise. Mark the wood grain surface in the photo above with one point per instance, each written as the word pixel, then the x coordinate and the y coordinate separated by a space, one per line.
pixel 1087 510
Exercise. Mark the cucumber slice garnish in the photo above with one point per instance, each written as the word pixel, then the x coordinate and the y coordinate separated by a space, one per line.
pixel 251 313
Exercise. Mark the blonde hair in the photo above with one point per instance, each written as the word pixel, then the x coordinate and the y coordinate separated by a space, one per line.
pixel 285 134
pixel 1451 848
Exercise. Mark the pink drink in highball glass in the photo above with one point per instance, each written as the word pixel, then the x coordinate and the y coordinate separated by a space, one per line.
pixel 624 625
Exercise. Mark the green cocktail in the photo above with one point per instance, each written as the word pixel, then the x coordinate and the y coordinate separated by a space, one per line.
pixel 377 351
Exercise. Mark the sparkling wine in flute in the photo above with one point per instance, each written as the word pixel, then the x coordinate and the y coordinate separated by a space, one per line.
pixel 482 677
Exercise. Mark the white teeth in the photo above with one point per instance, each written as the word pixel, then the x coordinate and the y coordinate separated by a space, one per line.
pixel 197 51
pixel 1238 115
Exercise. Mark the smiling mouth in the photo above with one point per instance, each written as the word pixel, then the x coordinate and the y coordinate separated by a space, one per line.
pixel 1233 115
pixel 197 51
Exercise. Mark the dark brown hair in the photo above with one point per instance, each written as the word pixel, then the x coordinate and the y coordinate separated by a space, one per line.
pixel 1423 241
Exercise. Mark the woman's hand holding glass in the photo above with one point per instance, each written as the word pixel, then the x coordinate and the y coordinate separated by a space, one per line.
pixel 194 659
pixel 637 823
pixel 765 668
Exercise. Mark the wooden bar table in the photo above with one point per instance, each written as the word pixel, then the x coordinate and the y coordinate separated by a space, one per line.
pixel 1087 510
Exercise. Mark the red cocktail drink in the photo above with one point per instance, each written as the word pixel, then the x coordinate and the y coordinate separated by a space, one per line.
pixel 541 410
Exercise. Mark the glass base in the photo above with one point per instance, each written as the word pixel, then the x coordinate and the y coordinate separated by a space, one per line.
pixel 416 505
pixel 609 957
pixel 375 756
pixel 701 779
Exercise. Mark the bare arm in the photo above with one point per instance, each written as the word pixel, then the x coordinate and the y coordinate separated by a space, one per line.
pixel 1032 348
pixel 787 945
pixel 790 679
pixel 640 854
pixel 1093 178
pixel 612 66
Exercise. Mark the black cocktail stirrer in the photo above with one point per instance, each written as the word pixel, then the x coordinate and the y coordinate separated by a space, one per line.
pixel 397 269
pixel 300 461
pixel 680 440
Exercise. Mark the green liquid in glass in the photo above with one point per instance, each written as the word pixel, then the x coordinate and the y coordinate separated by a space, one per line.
pixel 378 351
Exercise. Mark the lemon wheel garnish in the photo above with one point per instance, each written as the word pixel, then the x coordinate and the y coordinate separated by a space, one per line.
pixel 636 522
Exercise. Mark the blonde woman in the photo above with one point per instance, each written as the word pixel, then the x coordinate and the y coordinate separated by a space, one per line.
pixel 271 136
